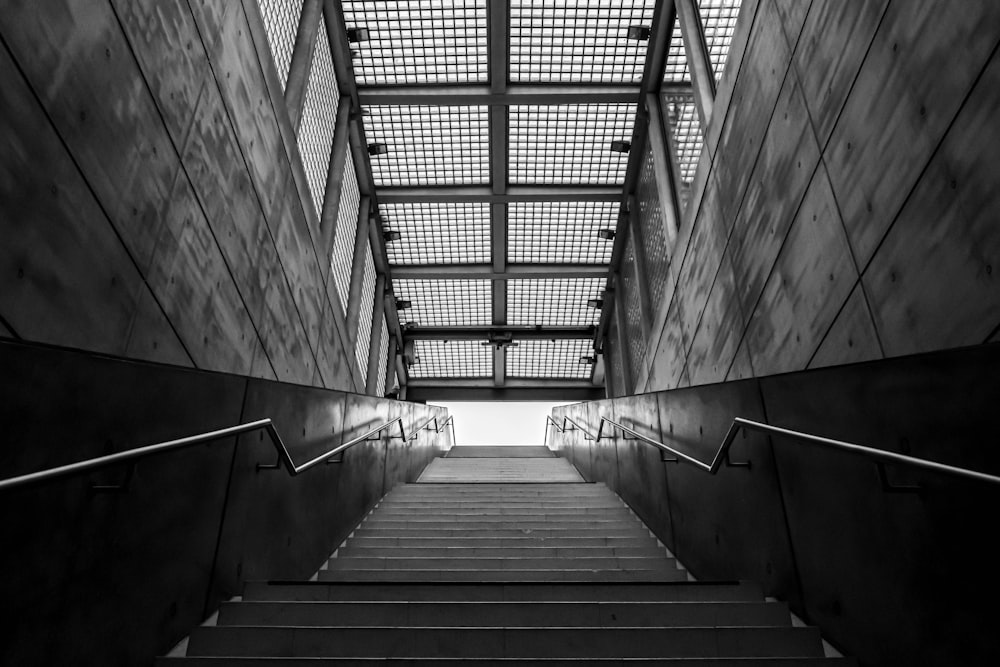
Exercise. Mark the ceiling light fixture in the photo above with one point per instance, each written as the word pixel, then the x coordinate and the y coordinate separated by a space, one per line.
pixel 596 303
pixel 377 149
pixel 621 146
pixel 357 34
pixel 638 32
pixel 606 234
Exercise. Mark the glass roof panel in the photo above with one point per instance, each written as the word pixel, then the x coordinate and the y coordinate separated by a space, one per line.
pixel 429 145
pixel 319 116
pixel 440 303
pixel 561 232
pixel 437 233
pixel 553 301
pixel 676 69
pixel 719 18
pixel 685 127
pixel 452 359
pixel 577 42
pixel 569 143
pixel 281 22
pixel 550 359
pixel 422 42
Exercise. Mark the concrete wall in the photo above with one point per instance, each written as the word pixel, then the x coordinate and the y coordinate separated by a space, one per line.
pixel 152 199
pixel 845 204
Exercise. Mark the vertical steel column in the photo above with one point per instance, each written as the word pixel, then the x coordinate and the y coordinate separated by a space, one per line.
pixel 302 57
pixel 357 273
pixel 664 169
pixel 375 338
pixel 498 45
pixel 700 65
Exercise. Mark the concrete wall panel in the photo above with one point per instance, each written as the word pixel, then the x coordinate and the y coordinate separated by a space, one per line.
pixel 851 337
pixel 151 338
pixel 742 367
pixel 719 330
pixel 737 50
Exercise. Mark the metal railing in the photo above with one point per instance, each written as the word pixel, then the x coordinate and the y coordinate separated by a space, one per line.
pixel 436 428
pixel 721 457
pixel 132 455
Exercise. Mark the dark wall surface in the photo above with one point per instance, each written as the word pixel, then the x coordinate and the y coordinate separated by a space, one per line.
pixel 891 578
pixel 116 578
pixel 153 203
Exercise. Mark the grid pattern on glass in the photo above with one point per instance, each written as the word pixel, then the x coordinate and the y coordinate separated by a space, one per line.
pixel 560 231
pixel 439 303
pixel 419 42
pixel 347 228
pixel 654 241
pixel 429 145
pixel 569 143
pixel 719 19
pixel 437 233
pixel 383 358
pixel 569 41
pixel 365 312
pixel 452 359
pixel 676 69
pixel 281 22
pixel 685 128
pixel 319 116
pixel 550 359
pixel 553 301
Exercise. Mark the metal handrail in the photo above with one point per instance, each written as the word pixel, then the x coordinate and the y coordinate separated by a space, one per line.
pixel 437 428
pixel 587 435
pixel 190 441
pixel 722 455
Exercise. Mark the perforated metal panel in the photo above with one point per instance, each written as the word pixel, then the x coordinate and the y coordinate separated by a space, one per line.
pixel 414 42
pixel 319 117
pixel 554 302
pixel 347 228
pixel 719 18
pixel 281 23
pixel 437 233
pixel 569 143
pixel 429 145
pixel 629 298
pixel 685 127
pixel 365 312
pixel 550 359
pixel 383 359
pixel 445 302
pixel 560 232
pixel 452 359
pixel 573 42
pixel 654 238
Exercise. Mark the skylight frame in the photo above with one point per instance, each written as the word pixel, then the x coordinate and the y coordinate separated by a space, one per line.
pixel 442 303
pixel 558 302
pixel 560 231
pixel 550 359
pixel 437 232
pixel 462 359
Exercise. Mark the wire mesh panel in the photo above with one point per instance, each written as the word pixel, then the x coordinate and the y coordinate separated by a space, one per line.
pixel 437 233
pixel 383 358
pixel 654 238
pixel 319 117
pixel 429 145
pixel 411 42
pixel 365 312
pixel 281 23
pixel 560 232
pixel 576 42
pixel 554 301
pixel 612 359
pixel 347 228
pixel 719 19
pixel 676 69
pixel 452 359
pixel 550 359
pixel 685 128
pixel 444 302
pixel 569 143
pixel 628 298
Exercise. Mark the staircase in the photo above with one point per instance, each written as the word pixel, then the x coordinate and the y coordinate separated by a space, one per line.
pixel 498 559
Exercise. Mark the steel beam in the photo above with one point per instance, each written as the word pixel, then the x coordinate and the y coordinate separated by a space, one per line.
pixel 485 95
pixel 520 383
pixel 664 169
pixel 499 366
pixel 335 171
pixel 444 392
pixel 498 43
pixel 518 332
pixel 696 48
pixel 515 193
pixel 302 57
pixel 489 271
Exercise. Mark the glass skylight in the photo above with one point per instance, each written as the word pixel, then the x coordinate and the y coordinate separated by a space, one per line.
pixel 719 18
pixel 553 301
pixel 437 233
pixel 576 42
pixel 676 70
pixel 429 145
pixel 319 117
pixel 569 143
pixel 281 23
pixel 550 359
pixel 411 42
pixel 452 359
pixel 445 302
pixel 560 232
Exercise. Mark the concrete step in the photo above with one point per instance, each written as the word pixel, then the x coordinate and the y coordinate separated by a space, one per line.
pixel 499 470
pixel 211 661
pixel 565 574
pixel 486 564
pixel 483 451
pixel 503 506
pixel 505 642
pixel 351 551
pixel 507 614
pixel 502 509
pixel 502 542
pixel 480 531
pixel 375 522
pixel 618 514
pixel 680 591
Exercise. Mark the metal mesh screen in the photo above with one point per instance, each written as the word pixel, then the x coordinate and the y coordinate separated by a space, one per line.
pixel 319 117
pixel 574 42
pixel 612 359
pixel 719 18
pixel 383 358
pixel 654 241
pixel 429 145
pixel 347 228
pixel 557 232
pixel 445 302
pixel 550 359
pixel 411 42
pixel 365 312
pixel 553 302
pixel 281 23
pixel 628 297
pixel 685 127
pixel 437 233
pixel 569 143
pixel 452 359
